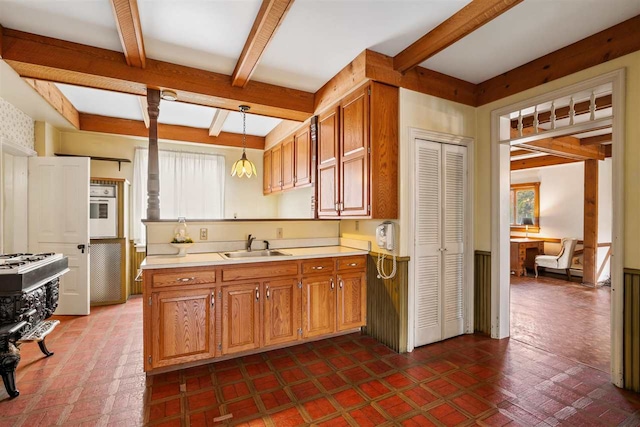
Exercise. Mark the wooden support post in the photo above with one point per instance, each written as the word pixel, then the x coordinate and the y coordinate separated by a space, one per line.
pixel 590 222
pixel 153 173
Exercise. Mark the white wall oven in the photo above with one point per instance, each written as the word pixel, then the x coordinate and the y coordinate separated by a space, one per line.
pixel 103 211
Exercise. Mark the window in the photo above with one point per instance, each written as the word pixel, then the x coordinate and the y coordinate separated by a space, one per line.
pixel 525 203
pixel 191 185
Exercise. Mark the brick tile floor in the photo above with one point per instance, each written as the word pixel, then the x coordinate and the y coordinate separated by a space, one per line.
pixel 95 378
pixel 563 318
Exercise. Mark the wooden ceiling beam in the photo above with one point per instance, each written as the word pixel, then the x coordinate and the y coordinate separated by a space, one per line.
pixel 269 18
pixel 103 124
pixel 130 31
pixel 540 162
pixel 604 46
pixel 144 107
pixel 468 19
pixel 515 153
pixel 563 113
pixel 347 79
pixel 563 146
pixel 219 117
pixel 50 93
pixel 51 59
pixel 596 140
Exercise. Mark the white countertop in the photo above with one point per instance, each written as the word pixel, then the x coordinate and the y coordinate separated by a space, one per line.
pixel 212 258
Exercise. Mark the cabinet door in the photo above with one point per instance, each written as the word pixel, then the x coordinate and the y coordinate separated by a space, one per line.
pixel 184 326
pixel 318 306
pixel 240 317
pixel 282 312
pixel 354 154
pixel 302 175
pixel 266 177
pixel 276 168
pixel 287 164
pixel 352 300
pixel 328 164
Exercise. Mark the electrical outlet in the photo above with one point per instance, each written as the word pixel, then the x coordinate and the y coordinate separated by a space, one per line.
pixel 204 234
pixel 279 233
pixel 357 225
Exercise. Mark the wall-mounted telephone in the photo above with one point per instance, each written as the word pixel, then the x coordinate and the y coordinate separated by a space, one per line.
pixel 385 235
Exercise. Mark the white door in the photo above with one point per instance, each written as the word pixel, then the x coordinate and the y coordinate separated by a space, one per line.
pixel 440 183
pixel 59 222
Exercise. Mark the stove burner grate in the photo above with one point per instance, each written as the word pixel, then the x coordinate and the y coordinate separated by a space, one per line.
pixel 10 265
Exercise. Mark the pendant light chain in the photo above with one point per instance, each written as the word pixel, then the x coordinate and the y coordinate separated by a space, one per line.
pixel 244 166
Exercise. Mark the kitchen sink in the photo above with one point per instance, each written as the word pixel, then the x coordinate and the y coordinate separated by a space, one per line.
pixel 253 254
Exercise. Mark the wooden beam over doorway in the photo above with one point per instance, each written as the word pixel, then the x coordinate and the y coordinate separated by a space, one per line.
pixel 539 162
pixel 130 31
pixel 596 140
pixel 46 58
pixel 269 18
pixel 590 246
pixel 563 146
pixel 468 19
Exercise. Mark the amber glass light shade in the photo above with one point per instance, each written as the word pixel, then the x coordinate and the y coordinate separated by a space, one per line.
pixel 243 167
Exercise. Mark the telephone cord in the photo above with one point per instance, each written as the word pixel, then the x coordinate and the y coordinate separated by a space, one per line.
pixel 380 266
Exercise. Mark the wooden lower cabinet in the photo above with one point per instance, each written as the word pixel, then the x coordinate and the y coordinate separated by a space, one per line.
pixel 318 305
pixel 281 311
pixel 240 317
pixel 352 301
pixel 183 326
pixel 247 307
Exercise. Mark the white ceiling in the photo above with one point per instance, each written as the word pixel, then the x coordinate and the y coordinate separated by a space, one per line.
pixel 528 31
pixel 124 106
pixel 102 102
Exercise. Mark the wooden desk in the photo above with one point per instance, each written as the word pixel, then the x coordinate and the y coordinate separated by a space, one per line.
pixel 523 254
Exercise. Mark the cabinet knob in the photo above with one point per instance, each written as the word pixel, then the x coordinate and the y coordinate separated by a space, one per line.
pixel 333 285
pixel 185 279
pixel 267 292
pixel 257 294
pixel 353 264
pixel 213 299
pixel 341 283
pixel 318 267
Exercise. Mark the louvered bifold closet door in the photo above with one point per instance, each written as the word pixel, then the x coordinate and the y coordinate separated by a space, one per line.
pixel 454 198
pixel 427 273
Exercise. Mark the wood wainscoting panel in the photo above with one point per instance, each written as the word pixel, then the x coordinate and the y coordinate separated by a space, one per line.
pixel 387 303
pixel 482 292
pixel 631 329
pixel 136 259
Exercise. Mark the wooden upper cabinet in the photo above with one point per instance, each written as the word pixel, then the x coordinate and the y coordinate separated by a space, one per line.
pixel 318 305
pixel 288 163
pixel 240 317
pixel 358 155
pixel 328 163
pixel 352 300
pixel 282 299
pixel 354 154
pixel 266 177
pixel 184 326
pixel 276 168
pixel 302 175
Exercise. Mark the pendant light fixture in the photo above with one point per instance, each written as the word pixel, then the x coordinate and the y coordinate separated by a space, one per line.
pixel 244 166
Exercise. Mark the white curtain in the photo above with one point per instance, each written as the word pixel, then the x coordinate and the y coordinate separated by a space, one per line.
pixel 191 185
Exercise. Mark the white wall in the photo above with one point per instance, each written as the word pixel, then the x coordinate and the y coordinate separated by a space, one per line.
pixel 562 203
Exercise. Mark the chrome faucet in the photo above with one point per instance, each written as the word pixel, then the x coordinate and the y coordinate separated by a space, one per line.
pixel 249 242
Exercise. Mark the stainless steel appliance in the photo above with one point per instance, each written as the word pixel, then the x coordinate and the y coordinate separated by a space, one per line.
pixel 28 296
pixel 103 211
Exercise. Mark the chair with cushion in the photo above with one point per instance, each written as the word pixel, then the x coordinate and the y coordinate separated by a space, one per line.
pixel 560 261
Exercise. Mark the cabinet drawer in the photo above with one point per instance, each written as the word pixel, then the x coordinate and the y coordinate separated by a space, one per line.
pixel 259 271
pixel 320 265
pixel 183 277
pixel 352 263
